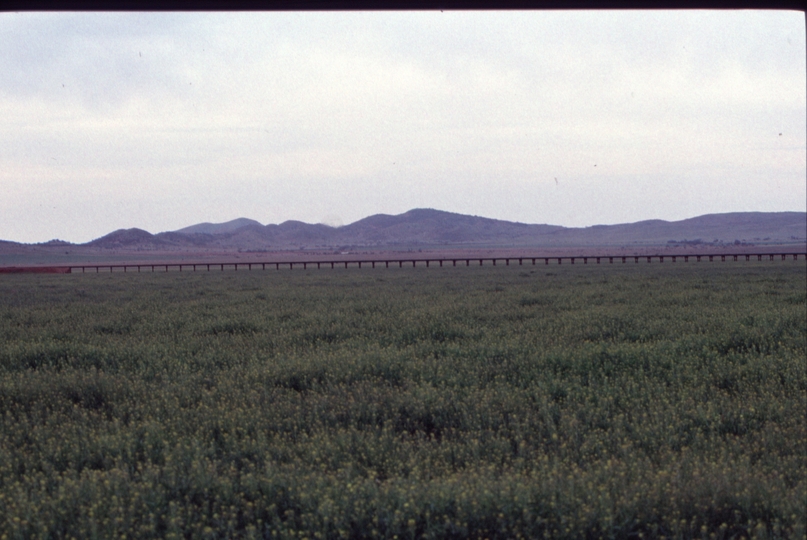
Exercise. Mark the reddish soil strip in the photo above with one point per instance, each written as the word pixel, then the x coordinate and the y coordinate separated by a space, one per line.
pixel 34 270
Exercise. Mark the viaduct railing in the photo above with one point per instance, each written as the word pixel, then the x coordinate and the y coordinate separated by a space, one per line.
pixel 414 262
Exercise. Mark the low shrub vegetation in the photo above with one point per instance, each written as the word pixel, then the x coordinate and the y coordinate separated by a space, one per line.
pixel 635 401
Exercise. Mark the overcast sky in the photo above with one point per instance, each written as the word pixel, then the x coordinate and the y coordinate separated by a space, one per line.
pixel 160 121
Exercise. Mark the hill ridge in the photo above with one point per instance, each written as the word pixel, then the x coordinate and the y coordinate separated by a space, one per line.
pixel 431 227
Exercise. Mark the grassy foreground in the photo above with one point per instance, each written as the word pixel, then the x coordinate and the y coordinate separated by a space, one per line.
pixel 566 402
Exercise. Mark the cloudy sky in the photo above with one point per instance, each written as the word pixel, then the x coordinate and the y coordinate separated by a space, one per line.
pixel 160 121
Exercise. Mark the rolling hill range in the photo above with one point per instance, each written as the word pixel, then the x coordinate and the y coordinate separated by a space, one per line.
pixel 433 228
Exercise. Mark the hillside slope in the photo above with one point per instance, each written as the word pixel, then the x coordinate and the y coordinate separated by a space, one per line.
pixel 428 227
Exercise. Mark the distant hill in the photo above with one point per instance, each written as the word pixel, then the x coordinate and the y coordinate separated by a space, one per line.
pixel 428 227
pixel 125 238
pixel 744 227
pixel 218 228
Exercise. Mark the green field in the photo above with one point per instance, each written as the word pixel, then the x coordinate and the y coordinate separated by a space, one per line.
pixel 613 401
